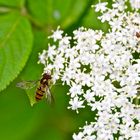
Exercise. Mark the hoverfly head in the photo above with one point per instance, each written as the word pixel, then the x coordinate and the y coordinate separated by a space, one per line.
pixel 47 76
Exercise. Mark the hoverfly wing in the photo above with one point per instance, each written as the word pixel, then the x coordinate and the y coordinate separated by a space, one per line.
pixel 49 97
pixel 27 84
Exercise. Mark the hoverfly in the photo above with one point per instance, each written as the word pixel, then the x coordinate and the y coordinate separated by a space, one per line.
pixel 43 88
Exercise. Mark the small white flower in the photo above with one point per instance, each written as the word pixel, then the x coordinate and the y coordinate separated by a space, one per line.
pixel 65 40
pixel 76 104
pixel 101 7
pixel 135 4
pixel 51 52
pixel 75 90
pixel 78 137
pixel 42 57
pixel 88 129
pixel 57 35
pixel 89 96
pixel 58 62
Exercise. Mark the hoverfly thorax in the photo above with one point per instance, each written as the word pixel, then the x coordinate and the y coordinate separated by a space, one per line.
pixel 45 79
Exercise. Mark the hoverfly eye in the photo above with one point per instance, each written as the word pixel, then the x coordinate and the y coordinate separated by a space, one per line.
pixel 47 76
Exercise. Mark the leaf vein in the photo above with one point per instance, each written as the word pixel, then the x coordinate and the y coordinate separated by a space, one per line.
pixel 13 28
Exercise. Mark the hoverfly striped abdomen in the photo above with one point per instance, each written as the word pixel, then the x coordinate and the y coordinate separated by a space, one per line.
pixel 39 93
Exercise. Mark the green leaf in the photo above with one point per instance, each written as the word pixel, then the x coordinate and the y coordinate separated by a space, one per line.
pixel 12 3
pixel 15 46
pixel 41 10
pixel 58 12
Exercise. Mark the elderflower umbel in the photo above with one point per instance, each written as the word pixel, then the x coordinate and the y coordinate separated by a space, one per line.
pixel 135 4
pixel 102 72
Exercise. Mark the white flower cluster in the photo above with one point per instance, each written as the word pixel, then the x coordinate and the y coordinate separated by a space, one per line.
pixel 135 4
pixel 103 72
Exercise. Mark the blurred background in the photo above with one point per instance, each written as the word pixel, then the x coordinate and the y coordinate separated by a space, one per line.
pixel 20 121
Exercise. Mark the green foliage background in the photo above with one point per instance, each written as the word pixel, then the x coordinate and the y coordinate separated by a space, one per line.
pixel 24 27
